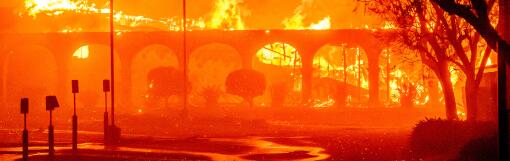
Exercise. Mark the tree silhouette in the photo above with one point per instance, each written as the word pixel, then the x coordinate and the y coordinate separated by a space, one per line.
pixel 477 14
pixel 211 95
pixel 441 40
pixel 165 82
pixel 279 92
pixel 246 83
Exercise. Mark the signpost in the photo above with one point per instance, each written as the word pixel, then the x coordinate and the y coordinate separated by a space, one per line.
pixel 51 104
pixel 75 117
pixel 24 111
pixel 106 89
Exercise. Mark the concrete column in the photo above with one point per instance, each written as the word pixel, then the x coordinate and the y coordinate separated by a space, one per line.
pixel 373 76
pixel 126 55
pixel 307 73
pixel 126 85
pixel 3 79
pixel 247 60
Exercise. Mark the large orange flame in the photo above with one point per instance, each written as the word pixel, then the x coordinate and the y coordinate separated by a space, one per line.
pixel 227 15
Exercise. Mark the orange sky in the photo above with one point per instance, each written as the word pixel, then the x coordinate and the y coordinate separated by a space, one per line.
pixel 257 14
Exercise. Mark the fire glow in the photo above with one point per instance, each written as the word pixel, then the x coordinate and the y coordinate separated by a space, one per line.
pixel 228 15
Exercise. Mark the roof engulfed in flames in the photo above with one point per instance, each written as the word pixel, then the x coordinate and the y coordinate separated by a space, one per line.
pixel 226 15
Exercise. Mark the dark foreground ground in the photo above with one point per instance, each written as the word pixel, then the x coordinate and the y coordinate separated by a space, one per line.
pixel 220 136
pixel 347 144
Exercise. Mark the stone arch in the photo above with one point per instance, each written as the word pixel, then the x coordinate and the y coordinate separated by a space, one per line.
pixel 346 64
pixel 90 65
pixel 29 71
pixel 148 58
pixel 281 63
pixel 209 66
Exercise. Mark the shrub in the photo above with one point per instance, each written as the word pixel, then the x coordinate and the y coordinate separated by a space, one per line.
pixel 340 95
pixel 246 83
pixel 164 82
pixel 480 149
pixel 279 92
pixel 211 95
pixel 437 137
pixel 407 94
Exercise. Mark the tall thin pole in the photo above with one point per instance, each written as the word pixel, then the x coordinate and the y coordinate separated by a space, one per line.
pixel 184 46
pixel 112 63
pixel 75 126
pixel 359 75
pixel 345 65
pixel 504 21
pixel 388 90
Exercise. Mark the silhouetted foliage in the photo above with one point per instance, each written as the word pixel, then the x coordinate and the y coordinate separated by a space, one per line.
pixel 211 95
pixel 340 95
pixel 246 83
pixel 480 149
pixel 407 94
pixel 437 137
pixel 164 82
pixel 477 14
pixel 279 92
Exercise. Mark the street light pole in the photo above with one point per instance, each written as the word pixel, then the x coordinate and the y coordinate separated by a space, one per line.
pixel 185 64
pixel 112 63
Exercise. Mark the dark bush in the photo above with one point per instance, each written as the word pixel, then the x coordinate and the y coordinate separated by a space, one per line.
pixel 211 95
pixel 407 94
pixel 279 92
pixel 437 137
pixel 340 95
pixel 481 149
pixel 246 83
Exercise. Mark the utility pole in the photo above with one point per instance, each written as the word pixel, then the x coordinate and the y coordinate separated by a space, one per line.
pixel 112 62
pixel 185 52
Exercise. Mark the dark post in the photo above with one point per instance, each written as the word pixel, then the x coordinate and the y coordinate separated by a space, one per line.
pixel 51 104
pixel 185 52
pixel 502 102
pixel 504 22
pixel 106 89
pixel 112 62
pixel 24 111
pixel 113 131
pixel 75 117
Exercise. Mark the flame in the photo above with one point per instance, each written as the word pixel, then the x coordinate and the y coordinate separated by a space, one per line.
pixel 56 7
pixel 82 52
pixel 295 22
pixel 489 62
pixel 462 115
pixel 388 26
pixel 280 54
pixel 227 15
pixel 322 25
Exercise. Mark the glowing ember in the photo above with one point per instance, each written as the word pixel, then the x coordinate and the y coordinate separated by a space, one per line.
pixel 82 52
pixel 321 25
pixel 296 21
pixel 227 15
pixel 489 62
pixel 280 54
